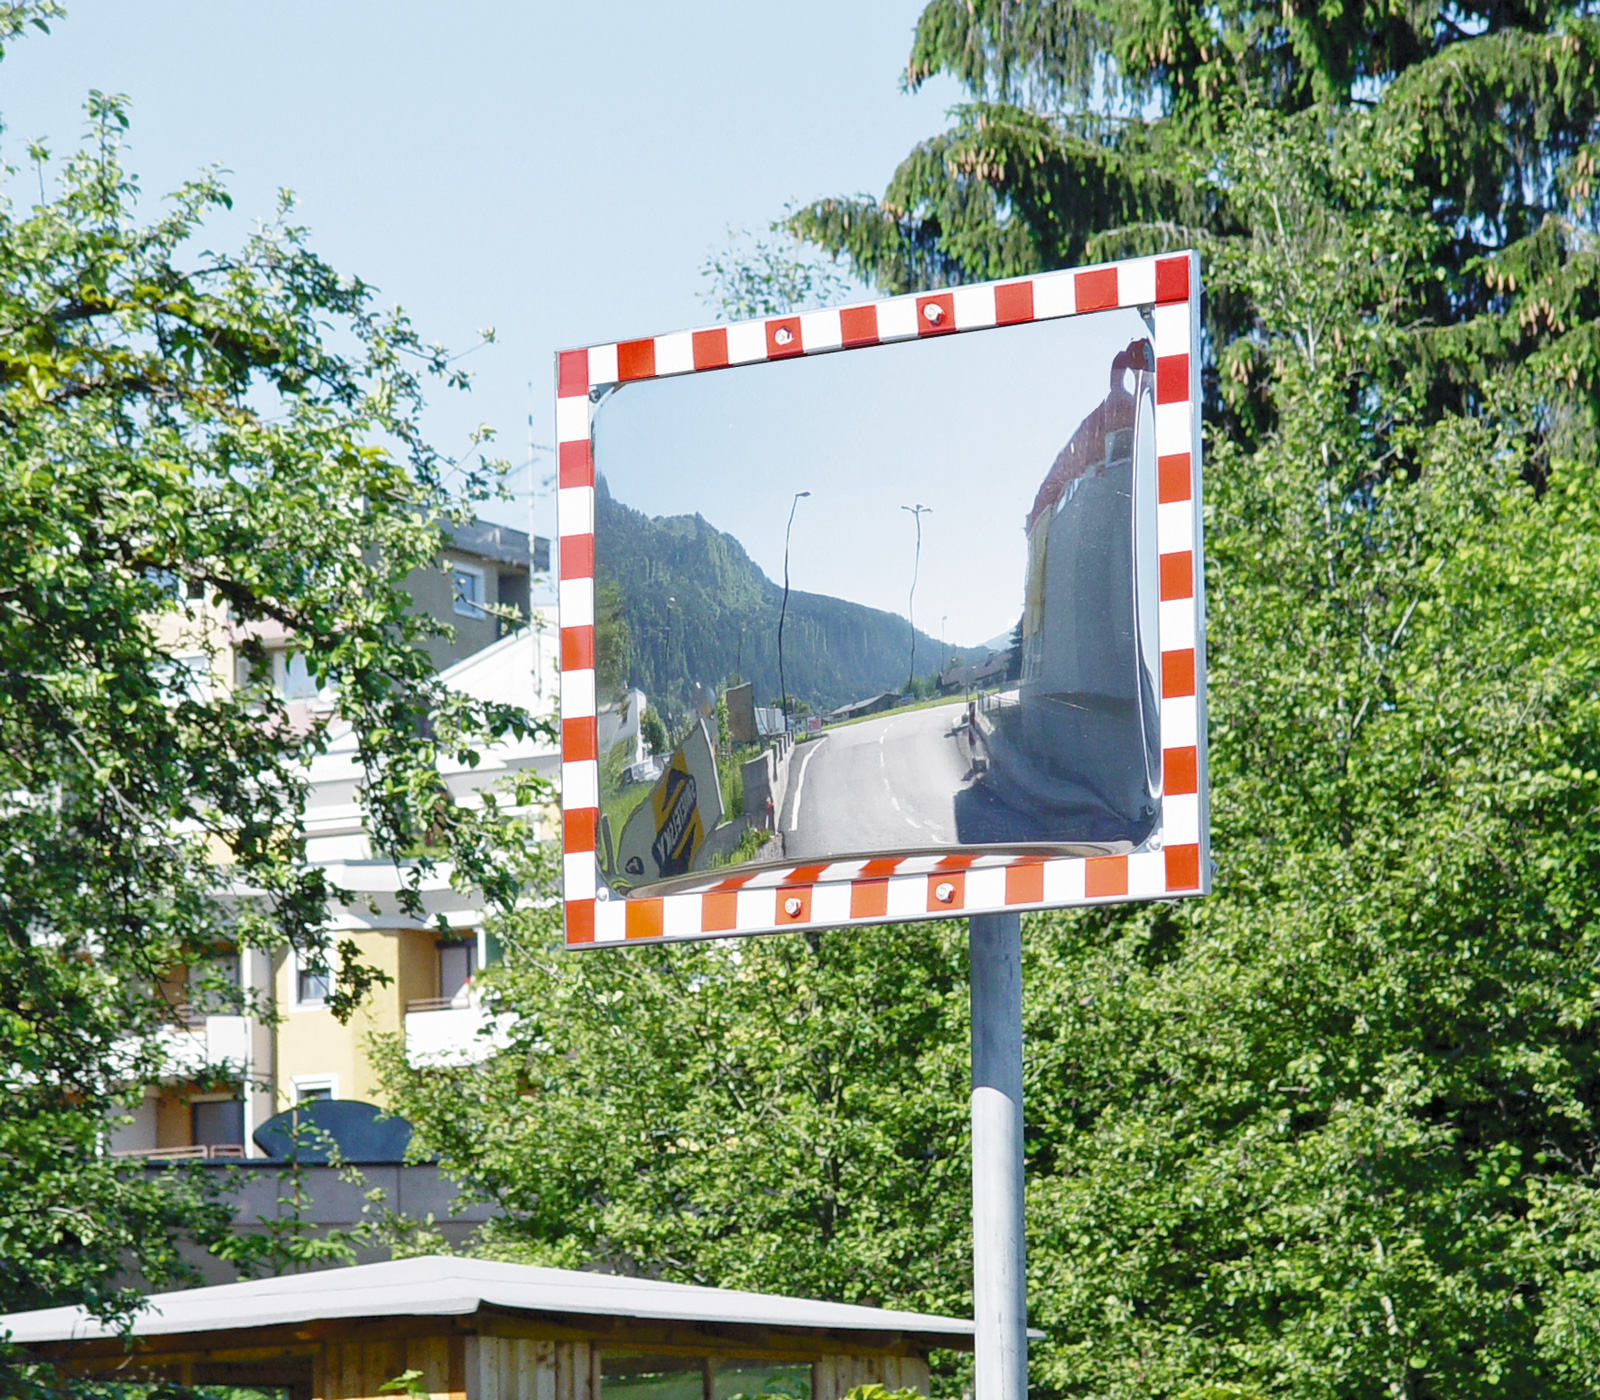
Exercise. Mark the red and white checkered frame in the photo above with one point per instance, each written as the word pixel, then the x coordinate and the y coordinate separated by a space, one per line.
pixel 1174 862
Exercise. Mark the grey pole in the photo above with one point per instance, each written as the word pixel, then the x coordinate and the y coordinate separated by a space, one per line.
pixel 999 1289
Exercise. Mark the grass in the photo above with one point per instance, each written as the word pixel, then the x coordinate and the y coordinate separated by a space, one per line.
pixel 899 710
pixel 731 779
pixel 618 803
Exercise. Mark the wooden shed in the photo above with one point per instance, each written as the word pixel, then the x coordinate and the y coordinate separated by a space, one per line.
pixel 476 1330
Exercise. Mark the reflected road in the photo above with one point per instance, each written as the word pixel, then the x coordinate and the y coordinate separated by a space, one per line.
pixel 900 781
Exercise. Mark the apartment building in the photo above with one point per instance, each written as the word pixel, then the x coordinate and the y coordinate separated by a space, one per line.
pixel 228 1073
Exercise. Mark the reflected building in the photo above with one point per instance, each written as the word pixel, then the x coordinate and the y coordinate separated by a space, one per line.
pixel 1086 720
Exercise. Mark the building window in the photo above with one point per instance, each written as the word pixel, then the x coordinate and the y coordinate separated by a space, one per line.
pixel 292 677
pixel 312 984
pixel 469 590
pixel 313 1090
pixel 184 678
pixel 457 963
pixel 217 1123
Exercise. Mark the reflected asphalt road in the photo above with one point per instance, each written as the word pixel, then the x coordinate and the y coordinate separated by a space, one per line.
pixel 894 782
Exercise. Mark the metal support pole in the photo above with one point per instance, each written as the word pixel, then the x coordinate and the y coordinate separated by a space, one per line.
pixel 999 1289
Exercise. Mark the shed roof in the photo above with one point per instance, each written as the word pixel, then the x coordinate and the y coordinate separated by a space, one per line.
pixel 443 1286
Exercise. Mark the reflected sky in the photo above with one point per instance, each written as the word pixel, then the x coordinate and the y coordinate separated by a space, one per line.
pixel 967 424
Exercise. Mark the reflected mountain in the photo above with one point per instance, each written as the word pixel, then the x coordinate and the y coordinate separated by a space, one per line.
pixel 679 602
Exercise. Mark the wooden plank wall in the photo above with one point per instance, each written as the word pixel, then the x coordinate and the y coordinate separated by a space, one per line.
pixel 356 1370
pixel 833 1377
pixel 513 1368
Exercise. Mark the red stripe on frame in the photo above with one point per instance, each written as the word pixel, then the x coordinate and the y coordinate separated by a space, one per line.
pixel 1177 576
pixel 1105 877
pixel 710 349
pixel 1172 279
pixel 1095 291
pixel 1013 302
pixel 869 899
pixel 636 359
pixel 580 921
pixel 1180 771
pixel 783 338
pixel 1172 379
pixel 1183 867
pixel 643 918
pixel 719 912
pixel 577 556
pixel 577 648
pixel 1172 478
pixel 1177 674
pixel 957 880
pixel 787 892
pixel 858 325
pixel 936 315
pixel 578 742
pixel 574 466
pixel 577 830
pixel 804 875
pixel 1025 883
pixel 572 374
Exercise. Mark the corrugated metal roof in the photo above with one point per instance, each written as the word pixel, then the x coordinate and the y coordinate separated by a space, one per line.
pixel 441 1286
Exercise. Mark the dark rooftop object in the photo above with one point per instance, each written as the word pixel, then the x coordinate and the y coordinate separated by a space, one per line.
pixel 359 1130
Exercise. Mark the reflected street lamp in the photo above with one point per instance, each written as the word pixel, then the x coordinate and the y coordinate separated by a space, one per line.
pixel 911 606
pixel 666 651
pixel 783 685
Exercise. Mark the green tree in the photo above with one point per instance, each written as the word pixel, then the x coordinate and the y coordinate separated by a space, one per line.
pixel 1331 1133
pixel 780 1113
pixel 187 436
pixel 769 276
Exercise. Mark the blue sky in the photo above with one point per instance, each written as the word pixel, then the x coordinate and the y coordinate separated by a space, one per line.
pixel 558 172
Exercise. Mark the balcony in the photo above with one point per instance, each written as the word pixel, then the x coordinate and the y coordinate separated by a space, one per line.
pixel 452 1031
pixel 199 1044
pixel 204 1152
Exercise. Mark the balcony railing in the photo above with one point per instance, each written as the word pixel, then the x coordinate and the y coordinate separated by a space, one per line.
pixel 190 1018
pixel 200 1152
pixel 452 1030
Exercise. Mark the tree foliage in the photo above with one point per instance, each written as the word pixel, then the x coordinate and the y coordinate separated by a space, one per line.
pixel 766 276
pixel 1330 1133
pixel 728 1114
pixel 193 446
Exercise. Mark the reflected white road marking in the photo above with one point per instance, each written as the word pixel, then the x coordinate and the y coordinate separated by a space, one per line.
pixel 800 781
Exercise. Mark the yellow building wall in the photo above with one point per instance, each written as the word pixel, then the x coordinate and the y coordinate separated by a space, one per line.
pixel 312 1043
pixel 198 627
pixel 172 1119
pixel 417 966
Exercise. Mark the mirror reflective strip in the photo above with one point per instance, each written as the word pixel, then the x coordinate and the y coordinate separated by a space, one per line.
pixel 915 887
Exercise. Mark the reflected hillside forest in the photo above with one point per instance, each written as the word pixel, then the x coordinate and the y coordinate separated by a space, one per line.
pixel 679 603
